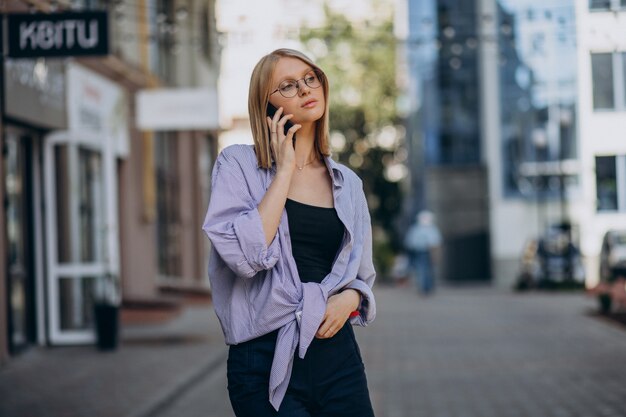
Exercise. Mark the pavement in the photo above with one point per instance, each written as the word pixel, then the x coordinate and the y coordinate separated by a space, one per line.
pixel 464 352
pixel 153 364
pixel 488 353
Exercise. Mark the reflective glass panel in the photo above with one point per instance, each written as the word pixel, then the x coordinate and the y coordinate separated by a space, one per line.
pixel 90 205
pixel 538 95
pixel 600 4
pixel 79 204
pixel 602 75
pixel 623 59
pixel 62 196
pixel 606 183
pixel 76 302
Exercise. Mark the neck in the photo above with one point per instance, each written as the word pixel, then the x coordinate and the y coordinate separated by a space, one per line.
pixel 305 144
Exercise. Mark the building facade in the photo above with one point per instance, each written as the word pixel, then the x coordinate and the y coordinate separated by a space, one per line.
pixel 494 128
pixel 444 132
pixel 88 194
pixel 602 97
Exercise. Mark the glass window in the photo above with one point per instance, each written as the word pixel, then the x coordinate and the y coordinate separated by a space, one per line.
pixel 63 215
pixel 623 56
pixel 458 141
pixel 168 213
pixel 90 205
pixel 162 60
pixel 76 302
pixel 538 92
pixel 600 4
pixel 606 183
pixel 79 205
pixel 602 75
pixel 16 205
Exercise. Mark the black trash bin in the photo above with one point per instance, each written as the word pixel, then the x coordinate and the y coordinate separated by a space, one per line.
pixel 107 318
pixel 107 311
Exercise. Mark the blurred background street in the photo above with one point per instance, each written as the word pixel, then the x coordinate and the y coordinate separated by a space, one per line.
pixel 489 137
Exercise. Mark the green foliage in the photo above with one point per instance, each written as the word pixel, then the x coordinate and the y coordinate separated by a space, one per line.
pixel 360 62
pixel 383 259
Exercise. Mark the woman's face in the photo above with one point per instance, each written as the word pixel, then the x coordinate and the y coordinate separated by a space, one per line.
pixel 307 104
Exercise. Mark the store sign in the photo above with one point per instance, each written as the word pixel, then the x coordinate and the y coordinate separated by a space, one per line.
pixel 97 108
pixel 177 109
pixel 58 34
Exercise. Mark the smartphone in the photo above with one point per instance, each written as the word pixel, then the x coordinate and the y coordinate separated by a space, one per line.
pixel 271 110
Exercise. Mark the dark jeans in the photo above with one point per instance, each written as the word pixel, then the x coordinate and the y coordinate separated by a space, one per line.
pixel 329 381
pixel 422 265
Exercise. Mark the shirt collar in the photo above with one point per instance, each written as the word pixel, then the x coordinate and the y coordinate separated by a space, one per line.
pixel 335 172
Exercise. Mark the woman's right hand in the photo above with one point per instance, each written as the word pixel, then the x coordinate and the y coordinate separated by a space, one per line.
pixel 281 144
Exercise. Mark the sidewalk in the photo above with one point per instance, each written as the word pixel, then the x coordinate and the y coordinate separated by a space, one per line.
pixel 153 365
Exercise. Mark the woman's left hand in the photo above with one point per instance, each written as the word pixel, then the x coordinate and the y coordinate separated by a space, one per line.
pixel 338 309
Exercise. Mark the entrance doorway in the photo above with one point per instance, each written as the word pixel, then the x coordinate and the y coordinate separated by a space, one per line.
pixel 80 239
pixel 19 242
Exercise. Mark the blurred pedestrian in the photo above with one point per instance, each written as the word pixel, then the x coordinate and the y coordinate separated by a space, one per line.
pixel 422 242
pixel 291 264
pixel 400 270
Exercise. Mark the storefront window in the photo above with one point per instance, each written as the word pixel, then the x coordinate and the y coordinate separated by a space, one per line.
pixel 606 183
pixel 17 206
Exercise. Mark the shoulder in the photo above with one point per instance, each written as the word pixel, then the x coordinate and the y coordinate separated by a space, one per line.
pixel 238 152
pixel 236 164
pixel 239 156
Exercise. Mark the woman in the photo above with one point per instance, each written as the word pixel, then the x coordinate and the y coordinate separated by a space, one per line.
pixel 291 262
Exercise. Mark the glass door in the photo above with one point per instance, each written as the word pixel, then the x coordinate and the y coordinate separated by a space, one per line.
pixel 19 243
pixel 77 241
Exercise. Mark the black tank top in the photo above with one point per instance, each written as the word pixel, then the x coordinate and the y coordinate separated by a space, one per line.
pixel 316 235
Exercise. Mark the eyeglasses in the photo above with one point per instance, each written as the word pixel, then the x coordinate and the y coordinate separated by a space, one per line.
pixel 289 88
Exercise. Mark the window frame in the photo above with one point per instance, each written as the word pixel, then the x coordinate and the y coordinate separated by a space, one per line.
pixel 168 217
pixel 613 5
pixel 618 82
pixel 620 182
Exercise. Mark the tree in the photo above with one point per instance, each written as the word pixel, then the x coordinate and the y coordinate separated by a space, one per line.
pixel 359 59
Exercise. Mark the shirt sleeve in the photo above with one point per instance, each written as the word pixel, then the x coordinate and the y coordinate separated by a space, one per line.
pixel 233 223
pixel 366 273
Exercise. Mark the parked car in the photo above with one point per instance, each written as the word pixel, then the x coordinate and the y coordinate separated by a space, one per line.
pixel 552 260
pixel 613 255
pixel 611 290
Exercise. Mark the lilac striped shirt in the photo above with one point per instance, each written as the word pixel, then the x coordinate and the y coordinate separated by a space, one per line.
pixel 256 288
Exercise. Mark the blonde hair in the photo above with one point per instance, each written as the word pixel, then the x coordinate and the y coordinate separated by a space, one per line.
pixel 258 98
